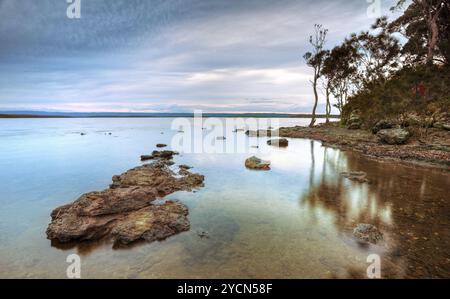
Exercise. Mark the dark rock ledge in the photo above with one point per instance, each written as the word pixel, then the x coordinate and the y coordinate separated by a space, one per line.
pixel 127 212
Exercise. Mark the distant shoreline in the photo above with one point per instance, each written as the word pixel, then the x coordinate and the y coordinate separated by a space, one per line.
pixel 163 115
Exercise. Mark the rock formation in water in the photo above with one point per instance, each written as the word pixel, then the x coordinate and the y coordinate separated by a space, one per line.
pixel 127 212
pixel 282 142
pixel 159 155
pixel 260 133
pixel 367 233
pixel 257 164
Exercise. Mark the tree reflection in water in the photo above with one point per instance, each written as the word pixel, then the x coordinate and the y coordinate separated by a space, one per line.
pixel 407 203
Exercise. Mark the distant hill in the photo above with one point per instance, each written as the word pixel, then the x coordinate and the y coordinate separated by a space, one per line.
pixel 45 114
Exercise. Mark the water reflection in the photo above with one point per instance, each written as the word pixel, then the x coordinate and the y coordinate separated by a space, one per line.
pixel 295 221
pixel 407 203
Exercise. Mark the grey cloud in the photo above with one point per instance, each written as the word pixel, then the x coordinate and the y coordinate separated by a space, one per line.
pixel 165 54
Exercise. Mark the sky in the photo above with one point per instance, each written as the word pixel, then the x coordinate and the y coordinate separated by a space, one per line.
pixel 168 55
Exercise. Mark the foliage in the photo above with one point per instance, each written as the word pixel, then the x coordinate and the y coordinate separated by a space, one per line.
pixel 374 73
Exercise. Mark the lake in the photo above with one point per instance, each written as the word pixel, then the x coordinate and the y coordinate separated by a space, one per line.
pixel 294 221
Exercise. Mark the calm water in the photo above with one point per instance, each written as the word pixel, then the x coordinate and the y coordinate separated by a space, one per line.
pixel 294 221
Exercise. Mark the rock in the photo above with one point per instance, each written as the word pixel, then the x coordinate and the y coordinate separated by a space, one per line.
pixel 182 166
pixel 82 134
pixel 152 223
pixel 256 163
pixel 442 121
pixel 159 145
pixel 381 125
pixel 354 121
pixel 412 119
pixel 393 136
pixel 126 212
pixel 159 155
pixel 259 133
pixel 367 233
pixel 203 234
pixel 358 176
pixel 283 142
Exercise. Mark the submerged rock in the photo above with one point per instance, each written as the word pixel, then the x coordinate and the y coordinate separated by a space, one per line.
pixel 159 155
pixel 126 212
pixel 359 176
pixel 283 142
pixel 257 163
pixel 367 233
pixel 393 136
pixel 203 234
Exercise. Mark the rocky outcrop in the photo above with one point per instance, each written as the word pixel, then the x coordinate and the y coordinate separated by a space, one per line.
pixel 382 125
pixel 393 136
pixel 159 155
pixel 257 164
pixel 283 142
pixel 127 212
pixel 442 121
pixel 358 176
pixel 367 233
pixel 354 121
pixel 430 149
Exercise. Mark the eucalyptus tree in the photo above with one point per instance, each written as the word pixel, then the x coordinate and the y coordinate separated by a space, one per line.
pixel 315 60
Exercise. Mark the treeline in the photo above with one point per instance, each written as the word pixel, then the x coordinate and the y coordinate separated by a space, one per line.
pixel 378 76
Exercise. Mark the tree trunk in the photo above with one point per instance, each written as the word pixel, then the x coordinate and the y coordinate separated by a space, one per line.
pixel 328 107
pixel 433 39
pixel 316 99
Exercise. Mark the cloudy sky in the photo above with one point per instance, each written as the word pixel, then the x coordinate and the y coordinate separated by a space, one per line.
pixel 166 55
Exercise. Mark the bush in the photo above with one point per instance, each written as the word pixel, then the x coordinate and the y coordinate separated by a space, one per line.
pixel 423 90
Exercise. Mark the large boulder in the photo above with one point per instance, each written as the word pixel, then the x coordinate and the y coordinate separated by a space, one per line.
pixel 393 136
pixel 127 212
pixel 382 125
pixel 354 121
pixel 283 142
pixel 257 164
pixel 367 233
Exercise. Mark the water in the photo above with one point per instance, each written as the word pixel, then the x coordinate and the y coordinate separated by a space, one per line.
pixel 294 221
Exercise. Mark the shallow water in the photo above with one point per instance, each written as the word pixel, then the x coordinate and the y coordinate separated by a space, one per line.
pixel 294 221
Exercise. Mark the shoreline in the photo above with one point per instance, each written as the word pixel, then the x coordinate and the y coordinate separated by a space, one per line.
pixel 434 152
pixel 175 115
